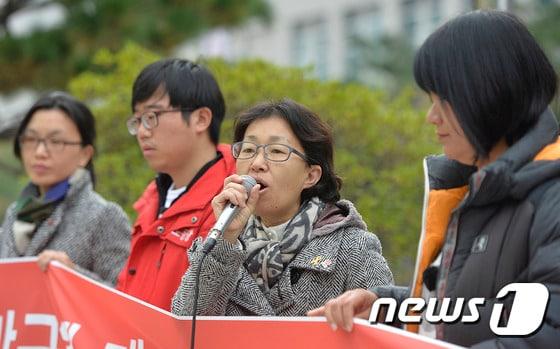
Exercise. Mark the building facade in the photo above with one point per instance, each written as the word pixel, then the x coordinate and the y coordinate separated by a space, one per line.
pixel 328 35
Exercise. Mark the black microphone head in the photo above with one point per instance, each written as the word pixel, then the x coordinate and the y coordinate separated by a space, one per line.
pixel 248 182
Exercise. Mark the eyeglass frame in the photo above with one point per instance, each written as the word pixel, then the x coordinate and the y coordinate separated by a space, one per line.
pixel 157 114
pixel 45 140
pixel 290 148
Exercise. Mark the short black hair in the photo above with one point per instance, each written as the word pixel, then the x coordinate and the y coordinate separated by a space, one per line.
pixel 74 109
pixel 189 85
pixel 314 135
pixel 493 73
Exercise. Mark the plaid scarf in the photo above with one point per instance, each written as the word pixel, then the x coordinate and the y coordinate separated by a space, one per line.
pixel 32 210
pixel 270 250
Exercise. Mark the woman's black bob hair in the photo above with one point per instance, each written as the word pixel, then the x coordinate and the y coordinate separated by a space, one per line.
pixel 492 72
pixel 314 135
pixel 74 109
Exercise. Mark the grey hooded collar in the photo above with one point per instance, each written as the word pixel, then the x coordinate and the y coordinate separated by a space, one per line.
pixel 343 214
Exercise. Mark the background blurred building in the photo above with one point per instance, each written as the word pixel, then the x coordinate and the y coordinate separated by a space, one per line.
pixel 329 35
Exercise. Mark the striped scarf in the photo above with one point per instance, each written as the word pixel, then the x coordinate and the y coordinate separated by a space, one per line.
pixel 32 209
pixel 270 250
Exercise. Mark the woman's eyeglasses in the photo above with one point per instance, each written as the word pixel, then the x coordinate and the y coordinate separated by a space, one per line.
pixel 51 144
pixel 276 152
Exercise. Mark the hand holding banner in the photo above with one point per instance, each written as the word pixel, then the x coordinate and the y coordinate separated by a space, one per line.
pixel 63 309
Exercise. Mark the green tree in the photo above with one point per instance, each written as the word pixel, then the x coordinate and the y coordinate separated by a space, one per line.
pixel 11 180
pixel 380 141
pixel 47 58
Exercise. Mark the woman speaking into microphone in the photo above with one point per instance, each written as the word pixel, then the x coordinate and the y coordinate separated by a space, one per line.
pixel 293 244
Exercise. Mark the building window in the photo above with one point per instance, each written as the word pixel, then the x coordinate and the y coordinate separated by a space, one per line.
pixel 363 28
pixel 309 46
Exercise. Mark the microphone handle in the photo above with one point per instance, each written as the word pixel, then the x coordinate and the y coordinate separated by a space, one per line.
pixel 222 223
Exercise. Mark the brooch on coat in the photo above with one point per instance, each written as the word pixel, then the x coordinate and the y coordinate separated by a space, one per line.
pixel 318 261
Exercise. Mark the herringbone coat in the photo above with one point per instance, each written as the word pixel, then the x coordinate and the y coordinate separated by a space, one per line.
pixel 93 232
pixel 345 256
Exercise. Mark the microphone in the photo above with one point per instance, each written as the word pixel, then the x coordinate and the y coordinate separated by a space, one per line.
pixel 227 215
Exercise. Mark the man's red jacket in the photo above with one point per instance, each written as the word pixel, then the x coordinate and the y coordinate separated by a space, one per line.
pixel 158 253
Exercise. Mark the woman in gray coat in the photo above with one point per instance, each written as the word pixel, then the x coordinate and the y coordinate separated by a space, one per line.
pixel 58 215
pixel 294 243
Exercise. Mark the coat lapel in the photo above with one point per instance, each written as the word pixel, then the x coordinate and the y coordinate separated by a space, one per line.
pixel 7 240
pixel 250 297
pixel 320 254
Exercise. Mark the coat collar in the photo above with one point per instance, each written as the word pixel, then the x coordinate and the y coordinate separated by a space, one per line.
pixel 341 214
pixel 80 182
pixel 319 255
pixel 198 196
pixel 515 172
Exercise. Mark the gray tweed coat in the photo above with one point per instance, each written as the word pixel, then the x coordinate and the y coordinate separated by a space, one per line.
pixel 93 232
pixel 345 257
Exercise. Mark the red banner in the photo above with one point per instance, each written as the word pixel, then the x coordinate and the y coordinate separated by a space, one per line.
pixel 63 309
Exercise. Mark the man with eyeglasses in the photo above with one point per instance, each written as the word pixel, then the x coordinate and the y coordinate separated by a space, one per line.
pixel 177 111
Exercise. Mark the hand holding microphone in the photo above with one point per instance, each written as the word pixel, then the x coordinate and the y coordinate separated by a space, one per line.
pixel 232 209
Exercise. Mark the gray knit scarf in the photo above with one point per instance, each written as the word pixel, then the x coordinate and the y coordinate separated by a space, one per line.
pixel 270 252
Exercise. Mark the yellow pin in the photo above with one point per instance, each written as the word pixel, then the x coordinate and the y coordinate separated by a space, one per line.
pixel 316 260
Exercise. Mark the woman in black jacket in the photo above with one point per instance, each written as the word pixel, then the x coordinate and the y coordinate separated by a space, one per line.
pixel 491 215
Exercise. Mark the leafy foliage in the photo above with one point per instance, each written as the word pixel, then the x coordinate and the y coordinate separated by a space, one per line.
pixel 121 171
pixel 11 180
pixel 380 142
pixel 47 58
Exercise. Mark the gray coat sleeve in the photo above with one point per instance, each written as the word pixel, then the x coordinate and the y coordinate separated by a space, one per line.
pixel 367 258
pixel 544 267
pixel 5 229
pixel 217 282
pixel 110 244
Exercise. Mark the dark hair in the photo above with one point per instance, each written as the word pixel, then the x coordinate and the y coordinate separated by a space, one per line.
pixel 75 110
pixel 314 135
pixel 189 86
pixel 491 71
